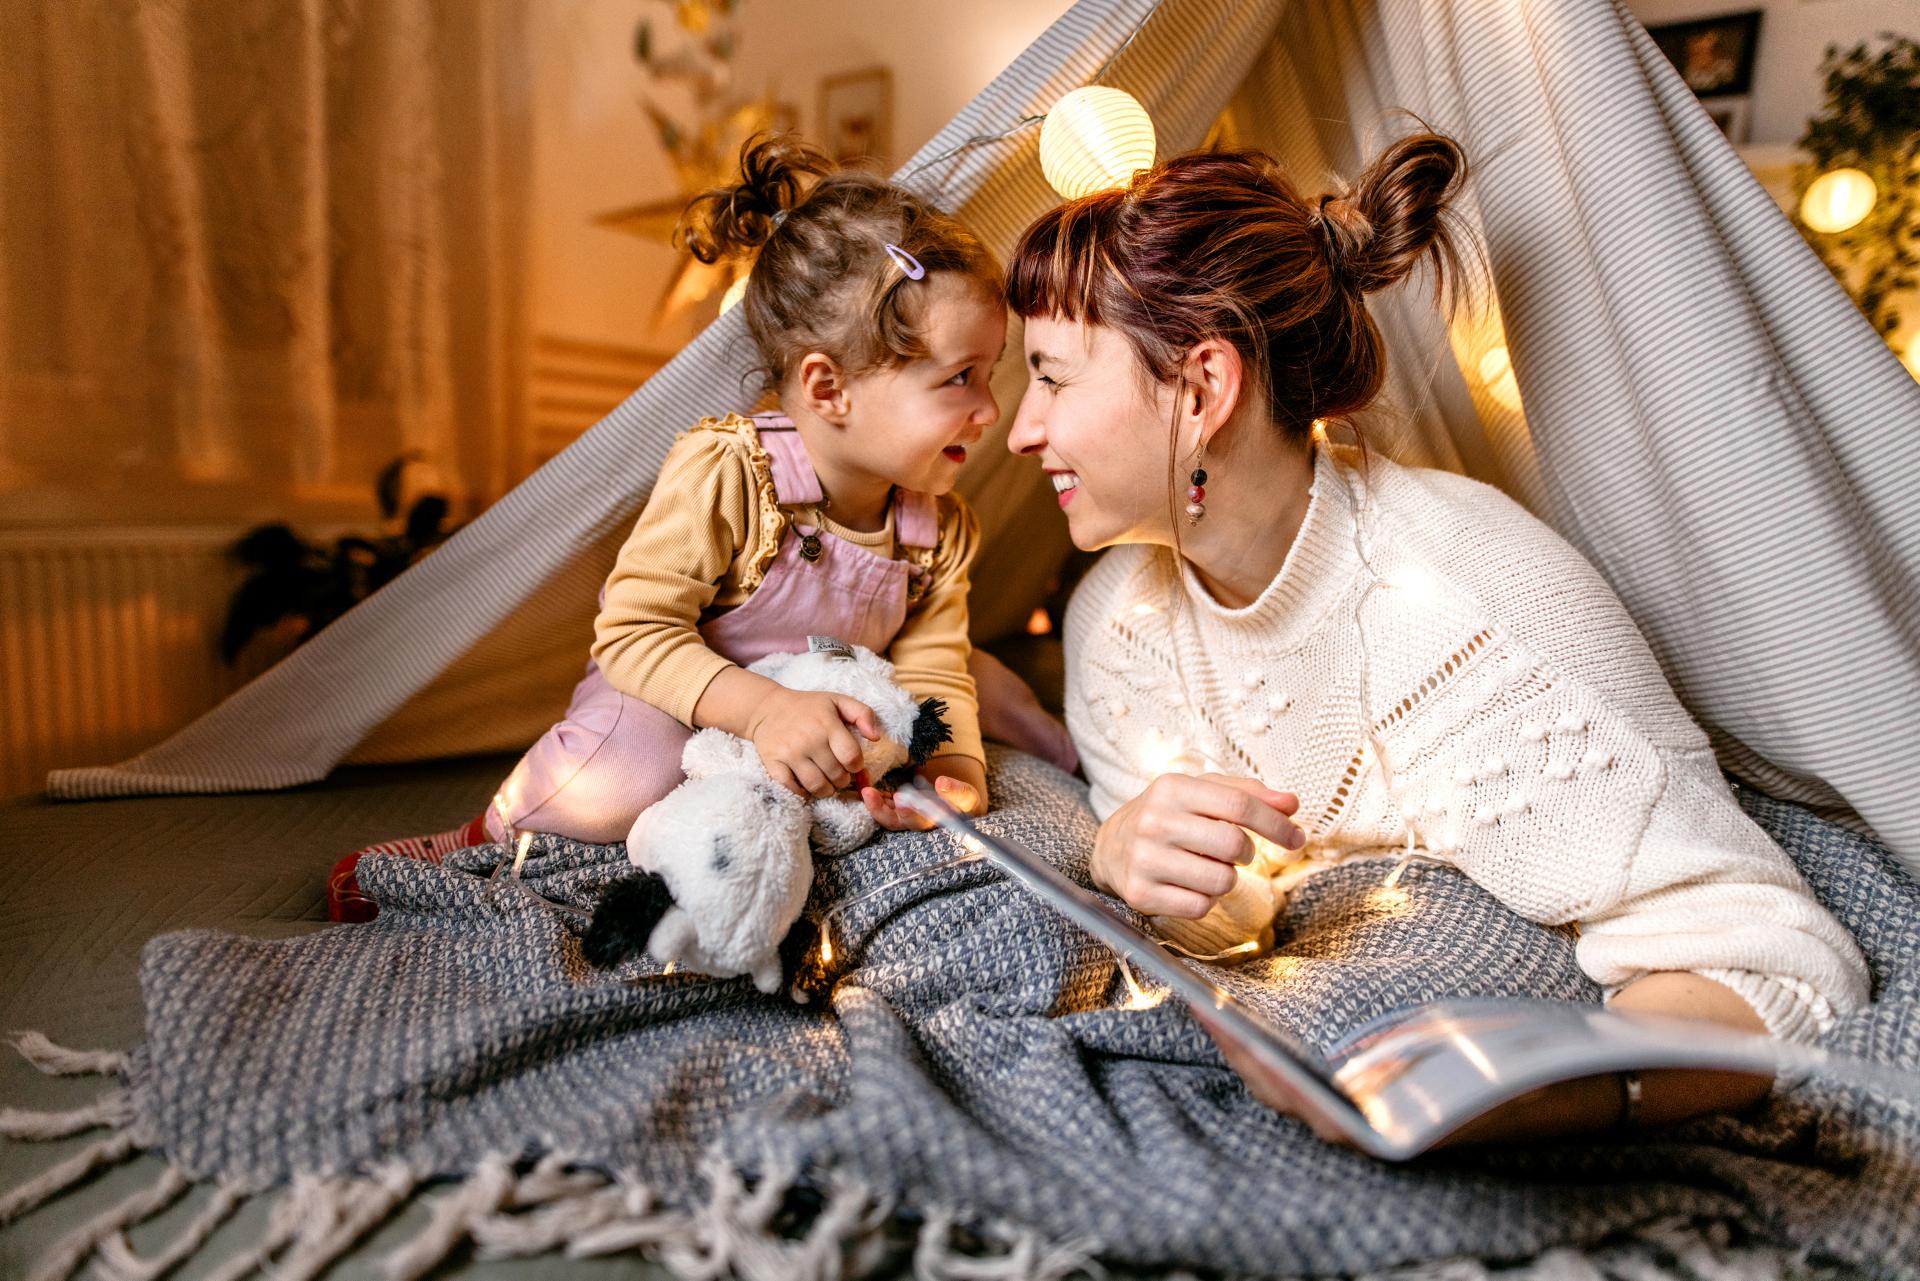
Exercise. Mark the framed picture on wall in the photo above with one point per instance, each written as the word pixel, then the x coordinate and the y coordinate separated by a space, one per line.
pixel 1714 55
pixel 856 118
pixel 1733 115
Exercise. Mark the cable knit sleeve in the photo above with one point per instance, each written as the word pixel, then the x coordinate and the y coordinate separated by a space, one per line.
pixel 646 638
pixel 1708 892
pixel 1579 789
pixel 1092 695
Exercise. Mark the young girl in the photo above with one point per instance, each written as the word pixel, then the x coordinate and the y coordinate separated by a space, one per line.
pixel 877 320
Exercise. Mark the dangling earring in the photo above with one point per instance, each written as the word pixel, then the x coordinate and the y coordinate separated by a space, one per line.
pixel 1197 489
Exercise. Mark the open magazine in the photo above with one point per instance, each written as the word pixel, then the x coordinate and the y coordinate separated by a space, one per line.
pixel 1400 1085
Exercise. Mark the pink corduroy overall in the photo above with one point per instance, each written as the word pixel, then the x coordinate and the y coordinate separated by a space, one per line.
pixel 613 755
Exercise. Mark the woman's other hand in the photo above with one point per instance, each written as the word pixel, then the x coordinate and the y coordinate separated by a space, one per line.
pixel 1173 849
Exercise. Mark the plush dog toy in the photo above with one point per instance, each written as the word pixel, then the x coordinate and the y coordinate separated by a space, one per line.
pixel 734 849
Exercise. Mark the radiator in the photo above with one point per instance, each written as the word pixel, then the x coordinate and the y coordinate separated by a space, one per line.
pixel 574 384
pixel 107 643
pixel 107 638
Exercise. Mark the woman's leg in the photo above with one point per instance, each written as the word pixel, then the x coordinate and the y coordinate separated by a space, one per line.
pixel 1011 713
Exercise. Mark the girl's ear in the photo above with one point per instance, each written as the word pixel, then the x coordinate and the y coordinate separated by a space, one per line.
pixel 1212 380
pixel 823 387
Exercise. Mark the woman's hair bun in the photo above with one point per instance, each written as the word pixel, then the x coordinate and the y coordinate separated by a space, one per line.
pixel 1381 228
pixel 735 219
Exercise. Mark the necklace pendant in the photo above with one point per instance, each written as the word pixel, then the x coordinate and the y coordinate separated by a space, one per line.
pixel 810 548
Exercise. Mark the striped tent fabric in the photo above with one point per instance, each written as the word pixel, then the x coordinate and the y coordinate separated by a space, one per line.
pixel 1705 413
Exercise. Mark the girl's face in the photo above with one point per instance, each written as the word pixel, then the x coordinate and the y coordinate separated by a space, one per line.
pixel 913 424
pixel 1098 425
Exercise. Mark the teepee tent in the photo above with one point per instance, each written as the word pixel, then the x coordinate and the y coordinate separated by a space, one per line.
pixel 1706 416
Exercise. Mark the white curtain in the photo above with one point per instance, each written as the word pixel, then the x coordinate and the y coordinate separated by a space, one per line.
pixel 254 249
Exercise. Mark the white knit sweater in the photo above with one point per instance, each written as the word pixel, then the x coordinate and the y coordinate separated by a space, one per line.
pixel 1529 735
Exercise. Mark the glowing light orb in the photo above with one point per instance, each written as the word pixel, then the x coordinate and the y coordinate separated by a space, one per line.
pixel 1837 200
pixel 1095 138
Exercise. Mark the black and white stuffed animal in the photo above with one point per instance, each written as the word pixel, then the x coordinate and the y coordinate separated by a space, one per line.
pixel 733 849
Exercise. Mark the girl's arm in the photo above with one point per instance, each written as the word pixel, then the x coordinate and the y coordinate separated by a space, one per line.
pixel 646 638
pixel 930 658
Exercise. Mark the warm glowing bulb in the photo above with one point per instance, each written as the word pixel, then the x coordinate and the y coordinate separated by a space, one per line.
pixel 1912 357
pixel 735 292
pixel 1496 375
pixel 1095 138
pixel 1138 998
pixel 1837 200
pixel 1388 902
pixel 826 949
pixel 520 854
pixel 1162 753
pixel 1039 623
pixel 1419 584
pixel 668 968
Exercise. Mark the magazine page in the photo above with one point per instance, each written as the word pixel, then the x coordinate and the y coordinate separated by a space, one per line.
pixel 1399 1086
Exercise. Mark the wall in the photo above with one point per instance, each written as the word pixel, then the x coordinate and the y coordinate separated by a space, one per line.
pixel 594 150
pixel 1794 36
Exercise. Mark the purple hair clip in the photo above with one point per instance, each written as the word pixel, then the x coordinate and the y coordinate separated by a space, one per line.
pixel 905 261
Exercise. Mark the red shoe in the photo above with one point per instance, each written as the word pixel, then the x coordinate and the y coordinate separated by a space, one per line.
pixel 346 901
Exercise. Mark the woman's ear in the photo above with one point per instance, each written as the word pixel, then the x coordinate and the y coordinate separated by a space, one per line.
pixel 823 388
pixel 1211 382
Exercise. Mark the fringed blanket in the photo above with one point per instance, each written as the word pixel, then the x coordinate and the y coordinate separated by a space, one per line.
pixel 975 1084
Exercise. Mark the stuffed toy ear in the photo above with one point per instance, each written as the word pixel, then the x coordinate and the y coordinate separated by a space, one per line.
pixel 622 920
pixel 929 731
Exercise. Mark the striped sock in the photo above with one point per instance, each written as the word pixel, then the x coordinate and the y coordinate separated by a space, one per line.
pixel 346 901
pixel 435 847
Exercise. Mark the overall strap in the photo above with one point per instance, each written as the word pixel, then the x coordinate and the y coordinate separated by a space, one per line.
pixel 916 519
pixel 794 482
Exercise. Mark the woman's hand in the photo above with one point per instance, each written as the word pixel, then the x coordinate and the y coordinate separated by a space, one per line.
pixel 805 738
pixel 961 782
pixel 1172 850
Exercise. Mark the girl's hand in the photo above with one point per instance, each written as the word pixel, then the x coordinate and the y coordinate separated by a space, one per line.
pixel 805 738
pixel 960 781
pixel 1172 850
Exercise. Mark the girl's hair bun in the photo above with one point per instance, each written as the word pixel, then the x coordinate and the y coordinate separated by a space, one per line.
pixel 728 221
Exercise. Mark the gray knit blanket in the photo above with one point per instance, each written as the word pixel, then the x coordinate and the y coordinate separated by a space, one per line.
pixel 975 1084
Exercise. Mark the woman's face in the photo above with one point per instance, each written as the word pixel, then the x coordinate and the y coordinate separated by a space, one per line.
pixel 1099 425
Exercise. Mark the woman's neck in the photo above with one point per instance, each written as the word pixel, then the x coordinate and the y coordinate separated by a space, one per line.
pixel 855 498
pixel 1256 502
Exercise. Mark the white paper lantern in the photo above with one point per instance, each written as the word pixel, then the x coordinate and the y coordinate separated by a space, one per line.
pixel 1837 200
pixel 1095 138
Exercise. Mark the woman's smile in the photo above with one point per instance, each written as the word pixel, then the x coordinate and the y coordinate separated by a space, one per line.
pixel 1065 484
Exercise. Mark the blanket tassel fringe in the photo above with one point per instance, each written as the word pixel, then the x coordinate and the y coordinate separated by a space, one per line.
pixel 317 1219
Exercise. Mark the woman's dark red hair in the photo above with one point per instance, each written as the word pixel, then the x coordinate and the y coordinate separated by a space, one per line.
pixel 1222 244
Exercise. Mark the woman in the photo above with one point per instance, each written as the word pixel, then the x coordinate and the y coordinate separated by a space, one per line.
pixel 1422 666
